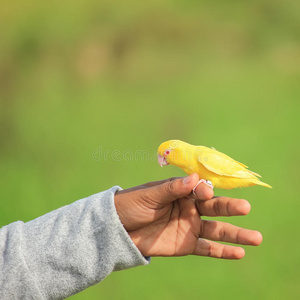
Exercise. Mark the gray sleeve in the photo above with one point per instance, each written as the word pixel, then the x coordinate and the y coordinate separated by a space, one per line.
pixel 65 251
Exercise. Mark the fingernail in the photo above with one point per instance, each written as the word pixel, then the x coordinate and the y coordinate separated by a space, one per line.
pixel 187 179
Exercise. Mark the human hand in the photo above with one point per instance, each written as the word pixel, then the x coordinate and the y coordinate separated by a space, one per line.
pixel 163 218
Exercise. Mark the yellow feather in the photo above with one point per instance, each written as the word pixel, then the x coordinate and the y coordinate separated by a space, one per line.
pixel 210 164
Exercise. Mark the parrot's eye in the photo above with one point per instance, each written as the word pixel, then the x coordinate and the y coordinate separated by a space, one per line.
pixel 167 152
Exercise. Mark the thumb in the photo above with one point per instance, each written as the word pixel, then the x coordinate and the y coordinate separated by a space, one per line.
pixel 169 191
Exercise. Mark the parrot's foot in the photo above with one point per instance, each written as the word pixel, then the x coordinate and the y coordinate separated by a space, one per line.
pixel 207 182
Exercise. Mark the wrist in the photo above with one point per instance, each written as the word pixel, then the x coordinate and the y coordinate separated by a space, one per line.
pixel 120 211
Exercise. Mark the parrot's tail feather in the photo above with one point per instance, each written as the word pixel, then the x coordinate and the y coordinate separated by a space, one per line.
pixel 263 184
pixel 253 173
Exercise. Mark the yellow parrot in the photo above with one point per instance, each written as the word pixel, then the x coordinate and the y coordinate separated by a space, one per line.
pixel 214 168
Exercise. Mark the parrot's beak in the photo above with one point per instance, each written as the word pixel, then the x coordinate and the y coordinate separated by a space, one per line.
pixel 162 161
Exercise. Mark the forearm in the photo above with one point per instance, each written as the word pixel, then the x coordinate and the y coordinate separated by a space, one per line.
pixel 65 251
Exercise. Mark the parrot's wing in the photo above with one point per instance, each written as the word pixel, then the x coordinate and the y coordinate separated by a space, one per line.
pixel 221 164
pixel 234 160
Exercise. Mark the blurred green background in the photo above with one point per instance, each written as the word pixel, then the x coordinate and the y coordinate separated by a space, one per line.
pixel 84 78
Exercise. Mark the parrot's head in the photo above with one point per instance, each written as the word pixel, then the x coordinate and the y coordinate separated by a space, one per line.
pixel 170 152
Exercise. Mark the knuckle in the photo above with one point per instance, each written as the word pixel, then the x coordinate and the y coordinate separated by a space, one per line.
pixel 169 187
pixel 210 250
pixel 216 207
pixel 228 208
pixel 202 228
pixel 222 233
pixel 172 179
pixel 223 252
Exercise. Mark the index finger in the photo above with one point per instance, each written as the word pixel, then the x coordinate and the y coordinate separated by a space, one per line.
pixel 204 192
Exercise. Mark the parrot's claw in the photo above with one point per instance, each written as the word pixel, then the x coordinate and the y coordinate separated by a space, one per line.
pixel 207 182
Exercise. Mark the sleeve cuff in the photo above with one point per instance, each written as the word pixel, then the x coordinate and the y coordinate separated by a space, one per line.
pixel 138 258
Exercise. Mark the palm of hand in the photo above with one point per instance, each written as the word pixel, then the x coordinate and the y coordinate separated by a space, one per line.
pixel 172 230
